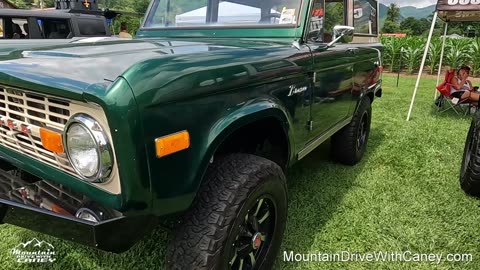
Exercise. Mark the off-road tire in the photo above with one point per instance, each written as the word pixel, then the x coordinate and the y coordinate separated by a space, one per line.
pixel 206 235
pixel 345 148
pixel 470 169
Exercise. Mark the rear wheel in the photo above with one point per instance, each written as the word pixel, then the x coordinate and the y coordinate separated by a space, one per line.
pixel 350 143
pixel 237 220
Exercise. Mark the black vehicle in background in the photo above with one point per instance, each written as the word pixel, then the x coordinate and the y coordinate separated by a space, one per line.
pixel 57 24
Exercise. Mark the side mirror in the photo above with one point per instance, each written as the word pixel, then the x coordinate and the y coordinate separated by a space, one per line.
pixel 343 34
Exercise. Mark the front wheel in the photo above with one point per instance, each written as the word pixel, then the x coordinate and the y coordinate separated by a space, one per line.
pixel 237 220
pixel 350 143
pixel 470 170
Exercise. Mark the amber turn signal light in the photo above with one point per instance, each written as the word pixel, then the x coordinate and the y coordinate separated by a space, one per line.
pixel 51 140
pixel 172 143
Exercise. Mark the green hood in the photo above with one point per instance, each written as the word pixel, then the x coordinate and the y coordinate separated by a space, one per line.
pixel 75 66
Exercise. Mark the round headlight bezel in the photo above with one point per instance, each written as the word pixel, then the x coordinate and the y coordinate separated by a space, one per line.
pixel 103 147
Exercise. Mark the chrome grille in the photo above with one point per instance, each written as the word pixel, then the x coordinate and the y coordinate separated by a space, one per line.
pixel 23 188
pixel 13 188
pixel 22 114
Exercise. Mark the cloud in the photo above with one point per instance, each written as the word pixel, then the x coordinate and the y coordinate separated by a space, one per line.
pixel 415 3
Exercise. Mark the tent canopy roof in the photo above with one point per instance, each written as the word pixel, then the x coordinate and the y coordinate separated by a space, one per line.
pixel 459 10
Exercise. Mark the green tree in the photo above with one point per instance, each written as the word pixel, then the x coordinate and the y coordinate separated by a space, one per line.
pixel 390 27
pixel 425 25
pixel 393 13
pixel 414 27
pixel 23 4
pixel 48 3
pixel 391 22
pixel 111 4
pixel 333 16
pixel 139 6
pixel 127 6
pixel 409 25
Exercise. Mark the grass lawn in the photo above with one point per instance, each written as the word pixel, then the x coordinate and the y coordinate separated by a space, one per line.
pixel 404 196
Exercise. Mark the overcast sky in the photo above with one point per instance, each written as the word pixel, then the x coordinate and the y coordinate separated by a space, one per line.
pixel 415 3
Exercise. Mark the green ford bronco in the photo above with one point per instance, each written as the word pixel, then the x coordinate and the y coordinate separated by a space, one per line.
pixel 194 120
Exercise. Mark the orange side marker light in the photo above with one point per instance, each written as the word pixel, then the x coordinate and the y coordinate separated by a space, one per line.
pixel 51 140
pixel 172 143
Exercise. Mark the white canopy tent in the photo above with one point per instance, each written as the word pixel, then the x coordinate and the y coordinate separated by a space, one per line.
pixel 448 11
pixel 227 12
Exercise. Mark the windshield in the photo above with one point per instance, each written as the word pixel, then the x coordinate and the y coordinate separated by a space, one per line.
pixel 202 13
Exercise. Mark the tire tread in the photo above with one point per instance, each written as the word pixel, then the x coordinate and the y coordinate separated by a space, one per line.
pixel 202 230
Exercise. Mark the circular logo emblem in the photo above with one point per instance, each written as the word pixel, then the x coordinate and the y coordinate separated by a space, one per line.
pixel 257 241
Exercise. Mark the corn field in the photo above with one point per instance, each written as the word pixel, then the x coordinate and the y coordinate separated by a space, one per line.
pixel 406 54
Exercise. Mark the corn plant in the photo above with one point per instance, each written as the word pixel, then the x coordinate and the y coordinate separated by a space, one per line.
pixel 457 52
pixel 434 53
pixel 412 53
pixel 392 47
pixel 475 56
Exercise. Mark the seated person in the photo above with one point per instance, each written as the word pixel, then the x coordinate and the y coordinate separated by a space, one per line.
pixel 462 87
pixel 17 32
pixel 25 28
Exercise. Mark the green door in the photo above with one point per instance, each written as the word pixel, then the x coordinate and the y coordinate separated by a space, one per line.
pixel 332 90
pixel 332 68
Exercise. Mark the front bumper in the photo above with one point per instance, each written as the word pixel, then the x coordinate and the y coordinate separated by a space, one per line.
pixel 50 208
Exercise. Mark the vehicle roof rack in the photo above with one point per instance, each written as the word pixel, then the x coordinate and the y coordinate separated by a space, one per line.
pixel 77 5
pixel 90 7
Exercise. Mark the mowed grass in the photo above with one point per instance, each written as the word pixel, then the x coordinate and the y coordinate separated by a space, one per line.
pixel 404 196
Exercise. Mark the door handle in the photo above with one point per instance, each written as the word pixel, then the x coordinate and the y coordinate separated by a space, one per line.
pixel 352 50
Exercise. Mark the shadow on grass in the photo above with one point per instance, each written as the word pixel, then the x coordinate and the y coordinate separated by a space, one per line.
pixel 316 185
pixel 450 113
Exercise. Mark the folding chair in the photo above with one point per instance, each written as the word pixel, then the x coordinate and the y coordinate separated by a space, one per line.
pixel 446 102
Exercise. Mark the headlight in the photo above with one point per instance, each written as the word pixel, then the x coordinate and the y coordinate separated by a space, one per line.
pixel 88 148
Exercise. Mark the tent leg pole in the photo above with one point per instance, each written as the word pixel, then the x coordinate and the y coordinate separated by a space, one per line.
pixel 422 65
pixel 441 57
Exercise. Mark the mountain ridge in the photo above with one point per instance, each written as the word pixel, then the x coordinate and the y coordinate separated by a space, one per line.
pixel 417 13
pixel 407 11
